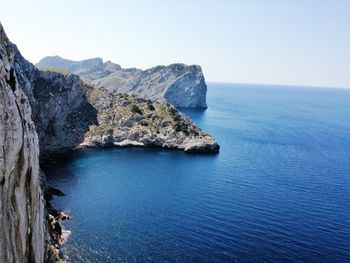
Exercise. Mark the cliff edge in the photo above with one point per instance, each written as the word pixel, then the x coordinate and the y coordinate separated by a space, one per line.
pixel 70 113
pixel 181 85
pixel 22 232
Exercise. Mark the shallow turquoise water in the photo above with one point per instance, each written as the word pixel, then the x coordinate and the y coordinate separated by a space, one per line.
pixel 279 191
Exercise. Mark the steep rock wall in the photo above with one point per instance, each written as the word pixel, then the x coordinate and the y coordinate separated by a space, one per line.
pixel 22 233
pixel 69 113
pixel 181 85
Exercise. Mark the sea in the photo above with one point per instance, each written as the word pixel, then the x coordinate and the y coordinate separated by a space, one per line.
pixel 278 191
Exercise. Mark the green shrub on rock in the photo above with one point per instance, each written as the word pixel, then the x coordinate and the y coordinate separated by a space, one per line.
pixel 136 109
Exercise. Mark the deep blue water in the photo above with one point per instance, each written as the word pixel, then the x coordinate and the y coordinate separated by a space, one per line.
pixel 279 191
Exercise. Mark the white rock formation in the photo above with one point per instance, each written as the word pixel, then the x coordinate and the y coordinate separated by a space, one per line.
pixel 182 85
pixel 22 231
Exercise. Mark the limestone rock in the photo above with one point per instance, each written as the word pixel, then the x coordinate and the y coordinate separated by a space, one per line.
pixel 181 85
pixel 125 120
pixel 69 113
pixel 62 112
pixel 22 233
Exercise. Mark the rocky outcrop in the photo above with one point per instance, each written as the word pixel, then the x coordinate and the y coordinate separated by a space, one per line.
pixel 60 109
pixel 125 120
pixel 181 85
pixel 72 114
pixel 62 112
pixel 23 235
pixel 69 114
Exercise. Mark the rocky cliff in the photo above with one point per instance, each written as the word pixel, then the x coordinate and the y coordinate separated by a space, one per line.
pixel 181 85
pixel 56 112
pixel 22 233
pixel 62 113
pixel 69 114
pixel 125 120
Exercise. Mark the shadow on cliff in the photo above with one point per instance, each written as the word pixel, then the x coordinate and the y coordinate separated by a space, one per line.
pixel 61 111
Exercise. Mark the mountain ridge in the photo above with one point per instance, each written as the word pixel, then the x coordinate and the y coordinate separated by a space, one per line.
pixel 180 84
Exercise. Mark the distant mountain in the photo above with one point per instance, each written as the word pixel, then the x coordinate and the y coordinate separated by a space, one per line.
pixel 182 85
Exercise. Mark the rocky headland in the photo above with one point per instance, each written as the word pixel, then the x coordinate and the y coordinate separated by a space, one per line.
pixel 179 84
pixel 69 114
pixel 126 120
pixel 43 112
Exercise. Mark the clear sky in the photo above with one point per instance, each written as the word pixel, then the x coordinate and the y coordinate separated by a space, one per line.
pixel 298 42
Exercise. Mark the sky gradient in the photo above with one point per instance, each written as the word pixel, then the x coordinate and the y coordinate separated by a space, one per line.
pixel 295 42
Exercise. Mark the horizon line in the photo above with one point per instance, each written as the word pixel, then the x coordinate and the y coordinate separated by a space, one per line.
pixel 277 85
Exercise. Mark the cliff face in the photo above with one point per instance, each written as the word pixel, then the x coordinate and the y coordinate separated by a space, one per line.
pixel 181 85
pixel 60 109
pixel 69 114
pixel 22 231
pixel 62 112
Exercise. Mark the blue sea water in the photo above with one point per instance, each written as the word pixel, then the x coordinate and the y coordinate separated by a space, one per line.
pixel 279 191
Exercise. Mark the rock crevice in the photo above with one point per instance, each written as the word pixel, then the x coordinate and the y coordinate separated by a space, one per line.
pixel 23 232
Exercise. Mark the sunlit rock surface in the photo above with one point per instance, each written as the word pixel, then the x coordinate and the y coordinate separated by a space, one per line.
pixel 181 85
pixel 22 233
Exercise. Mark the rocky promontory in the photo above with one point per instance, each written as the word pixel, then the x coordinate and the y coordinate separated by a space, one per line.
pixel 179 84
pixel 69 114
pixel 125 120
pixel 50 111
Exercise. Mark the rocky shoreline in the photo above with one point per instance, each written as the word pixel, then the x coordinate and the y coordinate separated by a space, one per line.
pixel 125 120
pixel 53 112
pixel 54 219
pixel 83 116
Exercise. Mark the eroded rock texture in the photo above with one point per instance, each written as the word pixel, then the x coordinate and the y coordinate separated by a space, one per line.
pixel 22 229
pixel 125 120
pixel 69 114
pixel 181 85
